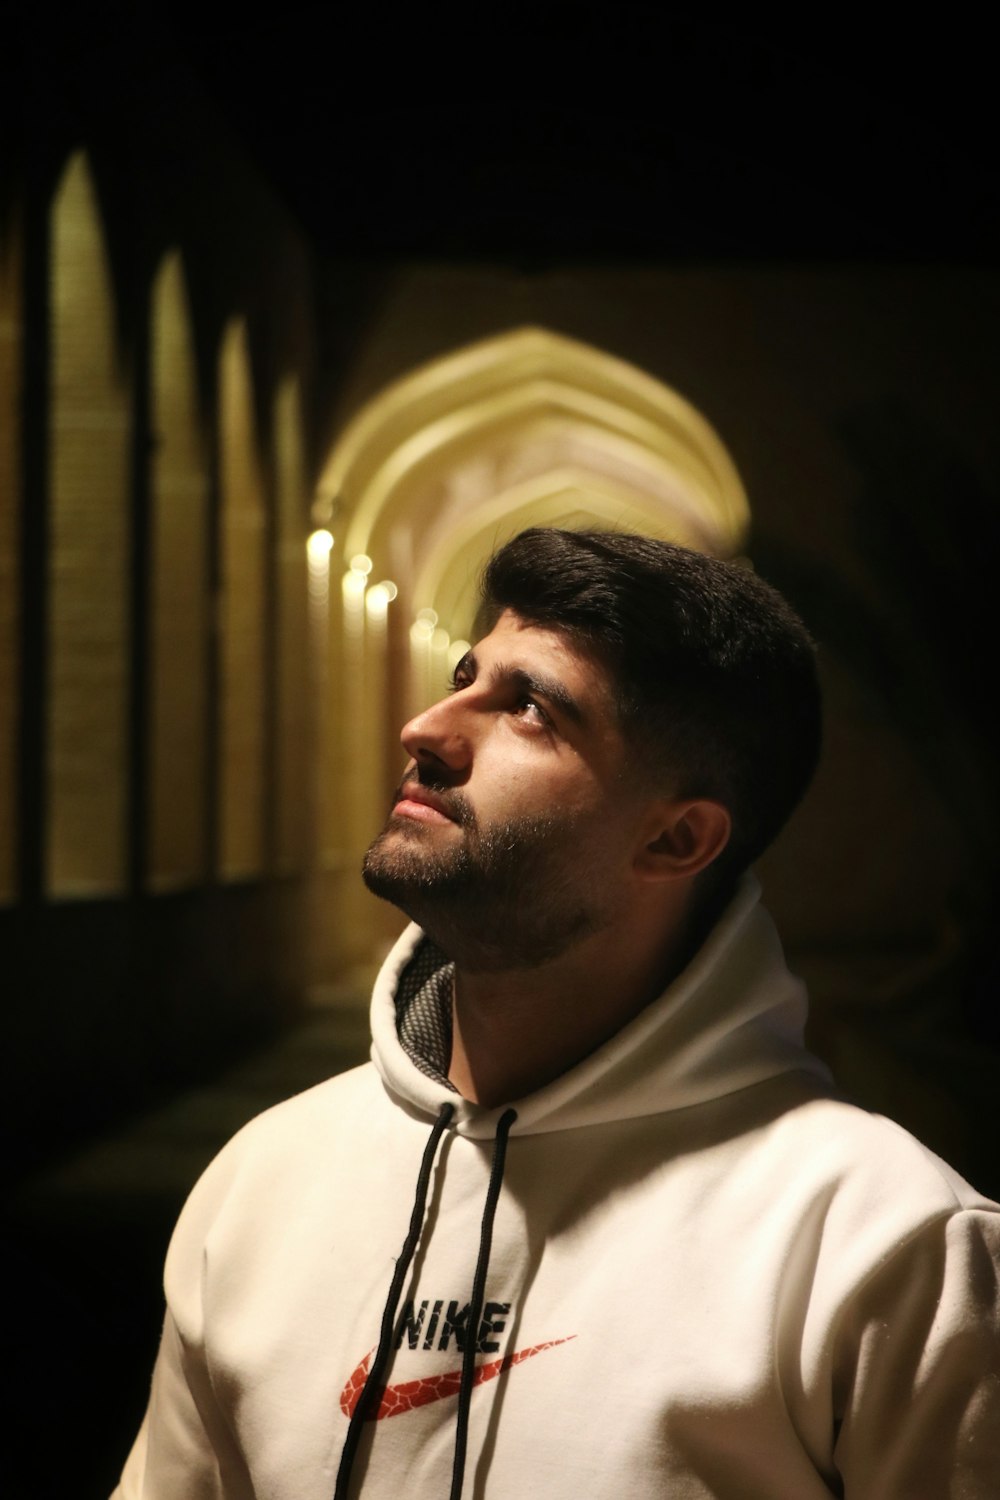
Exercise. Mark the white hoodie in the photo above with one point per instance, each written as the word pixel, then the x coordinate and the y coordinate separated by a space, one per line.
pixel 710 1279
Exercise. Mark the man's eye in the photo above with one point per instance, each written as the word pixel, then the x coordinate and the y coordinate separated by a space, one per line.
pixel 530 711
pixel 459 679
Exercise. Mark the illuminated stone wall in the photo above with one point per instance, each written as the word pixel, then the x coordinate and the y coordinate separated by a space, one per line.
pixel 88 582
pixel 179 603
pixel 157 384
pixel 242 618
pixel 295 711
pixel 10 496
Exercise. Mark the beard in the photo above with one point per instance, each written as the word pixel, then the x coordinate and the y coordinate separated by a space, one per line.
pixel 509 895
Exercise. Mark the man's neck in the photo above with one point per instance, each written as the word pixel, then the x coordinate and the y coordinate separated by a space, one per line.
pixel 515 1031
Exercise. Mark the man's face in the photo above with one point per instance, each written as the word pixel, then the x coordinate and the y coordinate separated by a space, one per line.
pixel 512 830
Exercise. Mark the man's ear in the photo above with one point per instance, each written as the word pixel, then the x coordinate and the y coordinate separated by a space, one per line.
pixel 685 838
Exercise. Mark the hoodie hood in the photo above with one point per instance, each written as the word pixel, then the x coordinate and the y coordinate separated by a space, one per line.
pixel 732 1018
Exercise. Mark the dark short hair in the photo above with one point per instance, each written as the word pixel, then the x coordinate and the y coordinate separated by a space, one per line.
pixel 713 671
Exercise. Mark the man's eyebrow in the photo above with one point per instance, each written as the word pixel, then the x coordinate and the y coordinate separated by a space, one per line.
pixel 549 688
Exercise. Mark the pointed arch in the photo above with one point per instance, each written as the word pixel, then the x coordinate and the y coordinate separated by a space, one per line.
pixel 464 428
pixel 525 428
pixel 88 557
pixel 179 594
pixel 243 616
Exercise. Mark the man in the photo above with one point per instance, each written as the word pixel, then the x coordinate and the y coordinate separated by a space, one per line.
pixel 649 1252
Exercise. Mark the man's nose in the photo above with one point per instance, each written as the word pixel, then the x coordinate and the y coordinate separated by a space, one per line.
pixel 439 735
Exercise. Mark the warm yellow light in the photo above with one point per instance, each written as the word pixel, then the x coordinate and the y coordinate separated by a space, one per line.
pixel 389 588
pixel 361 564
pixel 319 546
pixel 353 584
pixel 440 640
pixel 421 632
pixel 428 615
pixel 377 601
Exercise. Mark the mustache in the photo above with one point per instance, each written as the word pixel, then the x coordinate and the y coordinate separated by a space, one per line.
pixel 455 804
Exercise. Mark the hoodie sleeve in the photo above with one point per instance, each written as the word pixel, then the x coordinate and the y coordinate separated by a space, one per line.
pixel 918 1369
pixel 185 1449
pixel 175 1454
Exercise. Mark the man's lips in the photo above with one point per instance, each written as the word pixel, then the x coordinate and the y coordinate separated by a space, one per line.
pixel 418 802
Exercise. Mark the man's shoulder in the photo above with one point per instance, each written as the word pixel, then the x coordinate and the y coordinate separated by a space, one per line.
pixel 290 1140
pixel 303 1119
pixel 865 1178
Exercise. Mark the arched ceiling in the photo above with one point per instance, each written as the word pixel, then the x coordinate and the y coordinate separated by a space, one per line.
pixel 521 429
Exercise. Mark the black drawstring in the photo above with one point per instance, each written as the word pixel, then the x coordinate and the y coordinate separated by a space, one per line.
pixel 372 1390
pixel 476 1305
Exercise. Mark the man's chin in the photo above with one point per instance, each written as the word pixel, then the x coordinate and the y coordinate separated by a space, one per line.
pixel 400 868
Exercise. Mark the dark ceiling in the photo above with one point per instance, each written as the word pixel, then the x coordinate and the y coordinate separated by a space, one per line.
pixel 568 131
pixel 583 129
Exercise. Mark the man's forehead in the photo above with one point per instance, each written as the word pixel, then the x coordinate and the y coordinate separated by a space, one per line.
pixel 517 642
pixel 557 642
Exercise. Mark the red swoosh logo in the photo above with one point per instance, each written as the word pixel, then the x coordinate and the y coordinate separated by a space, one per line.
pixel 409 1394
